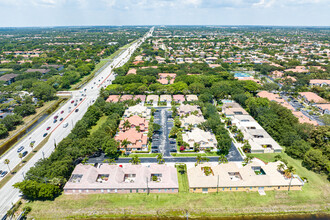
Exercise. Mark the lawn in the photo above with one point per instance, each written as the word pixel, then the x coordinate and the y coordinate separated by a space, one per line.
pixel 314 197
pixel 98 125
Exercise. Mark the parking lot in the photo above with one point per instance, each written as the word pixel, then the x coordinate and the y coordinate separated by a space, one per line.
pixel 160 140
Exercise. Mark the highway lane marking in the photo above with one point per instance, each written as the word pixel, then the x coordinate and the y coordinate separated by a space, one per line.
pixel 68 115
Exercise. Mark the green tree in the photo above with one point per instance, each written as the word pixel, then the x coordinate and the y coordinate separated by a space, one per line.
pixel 160 159
pixel 222 159
pixel 7 161
pixel 125 143
pixel 3 131
pixel 110 147
pixel 126 125
pixel 43 91
pixel 135 160
pixel 25 110
pixel 20 155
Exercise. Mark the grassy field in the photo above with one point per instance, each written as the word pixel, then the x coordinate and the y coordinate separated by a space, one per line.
pixel 314 197
pixel 99 124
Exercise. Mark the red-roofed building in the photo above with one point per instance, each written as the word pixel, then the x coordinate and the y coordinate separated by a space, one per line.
pixel 113 98
pixel 166 78
pixel 179 98
pixel 135 121
pixel 311 97
pixel 138 140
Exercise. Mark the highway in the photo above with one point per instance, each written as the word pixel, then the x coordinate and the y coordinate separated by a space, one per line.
pixel 69 113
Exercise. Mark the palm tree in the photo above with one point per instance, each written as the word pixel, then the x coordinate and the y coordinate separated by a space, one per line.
pixel 290 171
pixel 239 136
pixel 110 161
pixel 248 159
pixel 125 143
pixel 20 155
pixel 160 159
pixel 197 146
pixel 32 144
pixel 126 125
pixel 281 167
pixel 222 159
pixel 135 160
pixel 138 128
pixel 7 162
pixel 200 159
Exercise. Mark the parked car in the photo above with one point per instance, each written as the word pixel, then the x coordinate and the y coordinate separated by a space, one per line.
pixel 20 149
pixel 173 150
pixel 77 110
pixel 24 153
pixel 65 125
pixel 4 173
pixel 154 151
pixel 154 147
pixel 45 134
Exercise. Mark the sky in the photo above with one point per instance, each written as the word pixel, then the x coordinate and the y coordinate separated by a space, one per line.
pixel 27 13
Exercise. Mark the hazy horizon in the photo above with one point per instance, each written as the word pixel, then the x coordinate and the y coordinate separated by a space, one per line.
pixel 51 13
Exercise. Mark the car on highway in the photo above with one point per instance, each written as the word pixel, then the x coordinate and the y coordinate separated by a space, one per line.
pixel 65 125
pixel 80 99
pixel 4 173
pixel 75 104
pixel 45 134
pixel 56 116
pixel 61 119
pixel 72 101
pixel 77 110
pixel 20 149
pixel 33 142
pixel 47 128
pixel 62 112
pixel 24 153
pixel 54 121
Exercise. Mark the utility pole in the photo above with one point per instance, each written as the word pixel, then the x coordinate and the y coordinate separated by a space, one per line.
pixel 43 154
pixel 290 182
pixel 218 185
pixel 147 186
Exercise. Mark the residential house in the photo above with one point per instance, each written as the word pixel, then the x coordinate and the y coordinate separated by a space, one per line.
pixel 141 97
pixel 127 178
pixel 152 98
pixel 137 140
pixel 189 109
pixel 192 120
pixel 255 176
pixel 135 121
pixel 166 78
pixel 206 139
pixel 131 71
pixel 319 82
pixel 178 98
pixel 49 66
pixel 311 98
pixel 8 78
pixel 165 98
pixel 126 98
pixel 191 98
pixel 113 98
pixel 139 110
pixel 43 71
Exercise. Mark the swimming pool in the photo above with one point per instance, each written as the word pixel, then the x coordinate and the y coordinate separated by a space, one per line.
pixel 242 75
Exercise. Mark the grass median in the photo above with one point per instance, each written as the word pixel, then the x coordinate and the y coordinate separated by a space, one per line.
pixel 23 162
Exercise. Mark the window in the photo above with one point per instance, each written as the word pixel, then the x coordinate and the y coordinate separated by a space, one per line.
pixel 158 190
pixel 236 188
pixel 137 190
pixel 223 189
pixel 102 190
pixel 250 187
pixel 279 187
pixel 205 190
pixel 172 190
pixel 230 188
pixel 115 190
pixel 109 190
pixel 130 190
pixel 165 190
pixel 79 190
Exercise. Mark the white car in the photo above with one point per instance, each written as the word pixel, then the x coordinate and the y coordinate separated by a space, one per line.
pixel 65 125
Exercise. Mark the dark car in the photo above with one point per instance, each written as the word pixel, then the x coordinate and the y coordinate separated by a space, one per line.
pixel 173 150
pixel 61 119
pixel 4 173
pixel 24 153
pixel 62 112
pixel 20 149
pixel 56 117
pixel 47 128
pixel 45 134
pixel 75 104
pixel 155 151
pixel 54 121
pixel 154 147
pixel 172 142
pixel 72 101
pixel 77 110
pixel 80 99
